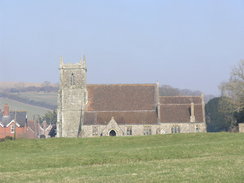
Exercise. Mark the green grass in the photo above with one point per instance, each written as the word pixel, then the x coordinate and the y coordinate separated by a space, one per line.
pixel 19 106
pixel 199 157
pixel 46 97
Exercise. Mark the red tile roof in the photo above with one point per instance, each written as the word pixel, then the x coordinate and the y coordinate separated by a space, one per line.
pixel 180 100
pixel 121 97
pixel 136 104
pixel 136 117
pixel 178 108
pixel 180 113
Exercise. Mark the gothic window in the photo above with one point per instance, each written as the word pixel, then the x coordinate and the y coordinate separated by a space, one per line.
pixel 95 131
pixel 147 130
pixel 72 79
pixel 129 130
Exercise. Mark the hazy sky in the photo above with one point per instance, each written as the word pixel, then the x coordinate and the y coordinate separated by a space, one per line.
pixel 186 44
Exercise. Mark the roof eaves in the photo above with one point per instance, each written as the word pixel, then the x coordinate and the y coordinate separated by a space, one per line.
pixel 17 124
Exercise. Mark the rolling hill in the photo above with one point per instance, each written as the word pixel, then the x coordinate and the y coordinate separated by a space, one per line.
pixel 38 98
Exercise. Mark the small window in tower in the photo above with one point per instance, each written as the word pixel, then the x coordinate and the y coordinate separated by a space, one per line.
pixel 72 79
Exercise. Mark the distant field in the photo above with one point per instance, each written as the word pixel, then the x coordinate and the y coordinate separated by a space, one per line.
pixel 163 158
pixel 31 110
pixel 49 98
pixel 5 85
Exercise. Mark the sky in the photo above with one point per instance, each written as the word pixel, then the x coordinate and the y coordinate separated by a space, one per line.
pixel 185 44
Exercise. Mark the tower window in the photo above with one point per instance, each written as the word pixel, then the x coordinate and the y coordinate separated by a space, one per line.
pixel 72 79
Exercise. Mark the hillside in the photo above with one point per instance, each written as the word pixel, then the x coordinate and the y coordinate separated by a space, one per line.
pixel 32 111
pixel 38 98
pixel 35 98
pixel 204 158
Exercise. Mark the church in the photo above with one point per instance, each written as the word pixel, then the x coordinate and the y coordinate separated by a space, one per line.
pixel 91 110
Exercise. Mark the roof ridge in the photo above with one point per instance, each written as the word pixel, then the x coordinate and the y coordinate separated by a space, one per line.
pixel 179 96
pixel 123 111
pixel 183 104
pixel 124 84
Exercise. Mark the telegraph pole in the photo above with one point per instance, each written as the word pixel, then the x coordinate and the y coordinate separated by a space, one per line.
pixel 14 125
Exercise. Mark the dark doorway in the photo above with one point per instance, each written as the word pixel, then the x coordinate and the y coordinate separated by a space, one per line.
pixel 112 133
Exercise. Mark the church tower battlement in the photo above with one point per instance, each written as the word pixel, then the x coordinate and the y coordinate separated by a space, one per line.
pixel 72 98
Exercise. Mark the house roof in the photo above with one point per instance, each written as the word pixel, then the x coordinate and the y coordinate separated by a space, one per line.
pixel 121 97
pixel 20 118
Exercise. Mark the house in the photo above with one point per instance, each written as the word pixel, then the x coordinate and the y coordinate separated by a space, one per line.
pixel 12 123
pixel 15 124
pixel 37 130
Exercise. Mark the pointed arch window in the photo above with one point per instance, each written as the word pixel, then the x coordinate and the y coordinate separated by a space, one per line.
pixel 72 79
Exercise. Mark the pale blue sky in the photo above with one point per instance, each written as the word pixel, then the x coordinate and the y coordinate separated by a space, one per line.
pixel 186 44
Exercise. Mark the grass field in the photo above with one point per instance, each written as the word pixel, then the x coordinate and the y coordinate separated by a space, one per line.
pixel 162 158
pixel 49 98
pixel 19 106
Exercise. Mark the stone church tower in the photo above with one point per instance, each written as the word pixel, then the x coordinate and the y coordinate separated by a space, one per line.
pixel 72 97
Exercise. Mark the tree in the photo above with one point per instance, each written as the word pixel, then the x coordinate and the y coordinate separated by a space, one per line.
pixel 53 131
pixel 234 88
pixel 219 115
pixel 49 117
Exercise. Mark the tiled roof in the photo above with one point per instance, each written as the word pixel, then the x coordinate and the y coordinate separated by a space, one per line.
pixel 180 100
pixel 20 118
pixel 180 113
pixel 178 108
pixel 121 97
pixel 134 117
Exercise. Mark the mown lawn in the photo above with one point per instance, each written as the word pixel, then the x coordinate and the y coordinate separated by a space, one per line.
pixel 199 157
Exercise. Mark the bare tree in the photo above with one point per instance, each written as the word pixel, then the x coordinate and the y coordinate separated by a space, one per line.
pixel 234 88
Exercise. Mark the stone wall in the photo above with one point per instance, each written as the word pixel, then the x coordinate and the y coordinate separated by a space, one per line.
pixel 241 127
pixel 138 130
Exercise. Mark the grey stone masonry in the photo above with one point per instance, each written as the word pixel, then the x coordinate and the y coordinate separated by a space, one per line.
pixel 72 97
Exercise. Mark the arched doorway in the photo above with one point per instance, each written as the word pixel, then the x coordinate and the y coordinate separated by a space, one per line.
pixel 112 133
